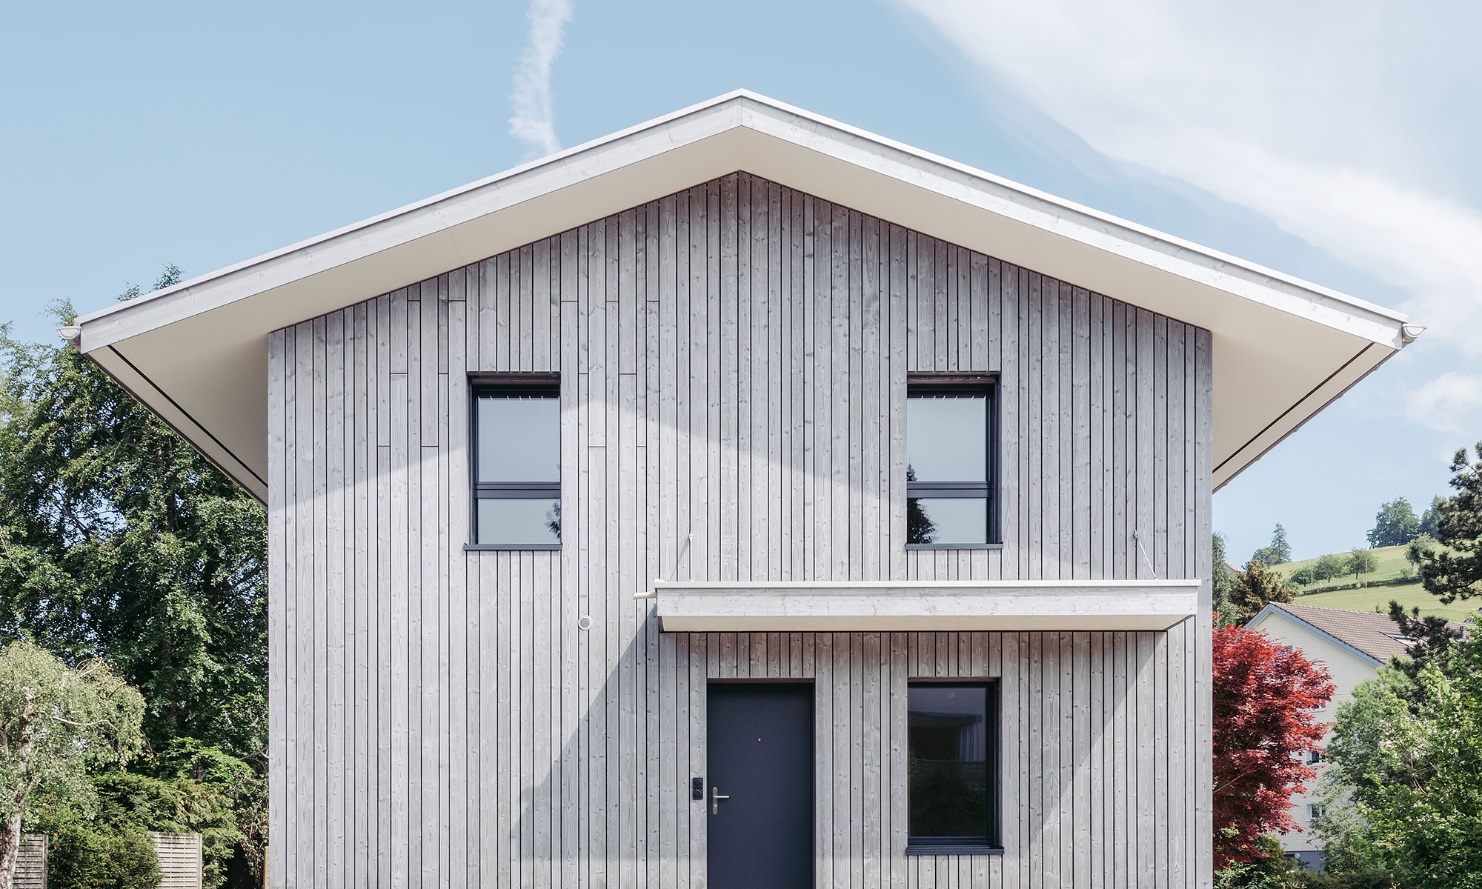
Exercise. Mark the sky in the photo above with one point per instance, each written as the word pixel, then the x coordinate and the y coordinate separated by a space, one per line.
pixel 1332 141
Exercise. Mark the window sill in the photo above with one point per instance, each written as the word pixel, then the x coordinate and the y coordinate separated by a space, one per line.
pixel 915 546
pixel 954 850
pixel 509 547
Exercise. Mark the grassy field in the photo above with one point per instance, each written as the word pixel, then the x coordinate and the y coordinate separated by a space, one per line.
pixel 1392 563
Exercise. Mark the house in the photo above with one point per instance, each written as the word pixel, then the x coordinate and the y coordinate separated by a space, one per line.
pixel 1352 645
pixel 740 499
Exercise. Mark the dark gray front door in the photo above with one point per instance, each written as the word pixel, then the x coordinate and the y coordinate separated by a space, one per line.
pixel 760 799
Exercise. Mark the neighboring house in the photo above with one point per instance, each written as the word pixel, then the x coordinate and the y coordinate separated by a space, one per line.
pixel 741 499
pixel 1352 645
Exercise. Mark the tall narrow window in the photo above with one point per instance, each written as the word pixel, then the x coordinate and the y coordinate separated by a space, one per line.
pixel 952 741
pixel 949 447
pixel 517 460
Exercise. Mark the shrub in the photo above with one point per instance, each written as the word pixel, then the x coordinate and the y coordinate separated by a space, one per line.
pixel 82 857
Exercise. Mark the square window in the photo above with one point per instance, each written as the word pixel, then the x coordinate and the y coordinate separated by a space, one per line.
pixel 952 740
pixel 517 460
pixel 949 460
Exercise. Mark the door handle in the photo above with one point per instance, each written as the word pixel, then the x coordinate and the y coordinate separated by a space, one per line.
pixel 715 797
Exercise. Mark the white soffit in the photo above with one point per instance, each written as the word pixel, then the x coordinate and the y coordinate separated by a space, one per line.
pixel 925 605
pixel 196 353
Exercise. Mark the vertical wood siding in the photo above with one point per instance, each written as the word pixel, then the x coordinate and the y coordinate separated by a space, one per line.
pixel 733 362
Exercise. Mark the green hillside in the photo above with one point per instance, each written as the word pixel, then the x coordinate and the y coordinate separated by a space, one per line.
pixel 1392 565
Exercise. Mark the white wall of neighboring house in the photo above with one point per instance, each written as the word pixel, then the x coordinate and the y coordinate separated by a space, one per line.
pixel 1348 669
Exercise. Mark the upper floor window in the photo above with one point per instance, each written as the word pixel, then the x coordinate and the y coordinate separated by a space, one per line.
pixel 517 460
pixel 952 740
pixel 949 433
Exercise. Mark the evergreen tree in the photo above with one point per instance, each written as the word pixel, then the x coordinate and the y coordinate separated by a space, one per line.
pixel 1253 588
pixel 1429 520
pixel 1281 551
pixel 1221 578
pixel 1453 570
pixel 1278 552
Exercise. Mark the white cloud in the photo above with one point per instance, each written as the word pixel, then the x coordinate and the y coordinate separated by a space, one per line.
pixel 1319 115
pixel 1451 402
pixel 534 121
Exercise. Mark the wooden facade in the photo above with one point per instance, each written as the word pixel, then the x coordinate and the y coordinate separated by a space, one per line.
pixel 733 362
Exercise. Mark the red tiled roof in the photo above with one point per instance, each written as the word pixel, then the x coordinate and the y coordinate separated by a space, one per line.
pixel 1371 633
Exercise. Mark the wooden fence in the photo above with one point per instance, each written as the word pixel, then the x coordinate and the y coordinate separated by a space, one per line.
pixel 180 859
pixel 30 867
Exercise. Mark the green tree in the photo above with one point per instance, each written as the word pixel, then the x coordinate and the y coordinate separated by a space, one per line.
pixel 1302 577
pixel 1253 588
pixel 1395 524
pixel 1278 552
pixel 1361 561
pixel 1430 519
pixel 1408 754
pixel 1221 576
pixel 1327 567
pixel 56 722
pixel 1453 570
pixel 118 539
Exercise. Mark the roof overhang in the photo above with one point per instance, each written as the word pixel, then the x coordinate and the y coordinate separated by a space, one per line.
pixel 196 353
pixel 866 606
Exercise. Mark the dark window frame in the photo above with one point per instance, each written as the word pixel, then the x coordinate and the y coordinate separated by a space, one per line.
pixel 992 844
pixel 539 384
pixel 929 383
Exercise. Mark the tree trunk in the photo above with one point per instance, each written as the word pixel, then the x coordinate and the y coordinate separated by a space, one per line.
pixel 10 849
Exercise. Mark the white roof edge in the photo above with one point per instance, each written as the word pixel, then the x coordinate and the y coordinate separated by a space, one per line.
pixel 926 585
pixel 1224 270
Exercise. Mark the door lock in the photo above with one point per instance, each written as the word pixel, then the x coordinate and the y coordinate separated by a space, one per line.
pixel 715 797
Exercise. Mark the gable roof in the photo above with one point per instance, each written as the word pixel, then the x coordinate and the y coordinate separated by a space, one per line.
pixel 1363 632
pixel 196 353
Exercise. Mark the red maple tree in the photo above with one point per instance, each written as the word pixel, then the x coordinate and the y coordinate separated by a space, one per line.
pixel 1264 697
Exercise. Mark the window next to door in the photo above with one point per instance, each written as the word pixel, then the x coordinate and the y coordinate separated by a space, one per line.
pixel 952 736
pixel 516 461
pixel 949 460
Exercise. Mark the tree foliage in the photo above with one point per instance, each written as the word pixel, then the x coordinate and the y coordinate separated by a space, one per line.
pixel 1361 561
pixel 1395 524
pixel 1221 578
pixel 1328 567
pixel 1453 570
pixel 1253 588
pixel 1278 552
pixel 1407 753
pixel 1264 697
pixel 1430 519
pixel 118 539
pixel 56 722
pixel 81 857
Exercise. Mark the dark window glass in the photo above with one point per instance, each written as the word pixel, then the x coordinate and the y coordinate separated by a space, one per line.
pixel 517 461
pixel 951 744
pixel 949 484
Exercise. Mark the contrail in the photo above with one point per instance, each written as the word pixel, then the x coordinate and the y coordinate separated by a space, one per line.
pixel 532 121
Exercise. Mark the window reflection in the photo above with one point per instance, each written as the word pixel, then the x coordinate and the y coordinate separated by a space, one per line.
pixel 947 438
pixel 519 439
pixel 941 520
pixel 949 738
pixel 518 522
